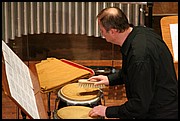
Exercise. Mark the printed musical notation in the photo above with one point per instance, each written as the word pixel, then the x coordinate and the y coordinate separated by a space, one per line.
pixel 19 81
pixel 174 38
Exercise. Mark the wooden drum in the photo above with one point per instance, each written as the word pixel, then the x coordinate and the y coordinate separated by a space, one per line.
pixel 73 112
pixel 72 94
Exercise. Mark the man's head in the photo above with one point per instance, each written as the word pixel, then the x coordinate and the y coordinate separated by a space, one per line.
pixel 113 24
pixel 113 18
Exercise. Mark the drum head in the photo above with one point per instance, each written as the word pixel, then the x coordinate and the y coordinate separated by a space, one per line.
pixel 74 92
pixel 74 112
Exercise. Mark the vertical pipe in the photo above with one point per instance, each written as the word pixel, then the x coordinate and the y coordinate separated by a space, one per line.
pixel 31 18
pixel 128 12
pixel 136 15
pixel 104 5
pixel 120 6
pixel 19 19
pixel 141 16
pixel 6 27
pixel 69 18
pixel 76 18
pixel 38 30
pixel 150 11
pixel 83 27
pixel 112 4
pixel 25 19
pixel 57 18
pixel 89 24
pixel 63 25
pixel 44 18
pixel 12 22
pixel 51 17
pixel 96 30
pixel 3 28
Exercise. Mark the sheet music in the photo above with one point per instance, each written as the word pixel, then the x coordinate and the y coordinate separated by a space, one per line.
pixel 19 81
pixel 174 38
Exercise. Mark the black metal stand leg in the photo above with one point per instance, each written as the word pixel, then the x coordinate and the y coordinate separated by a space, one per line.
pixel 23 115
pixel 17 115
pixel 55 107
pixel 56 101
pixel 150 12
pixel 103 100
pixel 49 108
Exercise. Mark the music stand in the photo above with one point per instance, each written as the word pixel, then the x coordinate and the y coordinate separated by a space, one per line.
pixel 166 35
pixel 8 87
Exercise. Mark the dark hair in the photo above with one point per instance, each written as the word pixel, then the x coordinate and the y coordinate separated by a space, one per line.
pixel 113 17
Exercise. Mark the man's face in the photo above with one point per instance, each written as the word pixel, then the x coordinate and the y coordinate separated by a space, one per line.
pixel 104 33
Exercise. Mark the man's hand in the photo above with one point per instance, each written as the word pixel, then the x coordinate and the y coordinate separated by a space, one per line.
pixel 101 79
pixel 97 111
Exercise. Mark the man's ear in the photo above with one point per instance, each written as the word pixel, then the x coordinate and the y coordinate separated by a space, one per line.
pixel 113 31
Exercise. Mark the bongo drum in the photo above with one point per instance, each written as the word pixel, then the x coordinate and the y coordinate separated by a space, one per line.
pixel 73 112
pixel 72 94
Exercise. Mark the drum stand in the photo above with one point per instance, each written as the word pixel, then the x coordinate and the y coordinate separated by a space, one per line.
pixel 23 115
pixel 103 98
pixel 55 110
pixel 49 111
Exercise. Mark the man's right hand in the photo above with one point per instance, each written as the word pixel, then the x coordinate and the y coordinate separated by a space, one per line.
pixel 101 79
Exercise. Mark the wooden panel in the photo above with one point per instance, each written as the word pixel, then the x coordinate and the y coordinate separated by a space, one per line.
pixel 165 8
pixel 165 21
pixel 68 46
pixel 165 28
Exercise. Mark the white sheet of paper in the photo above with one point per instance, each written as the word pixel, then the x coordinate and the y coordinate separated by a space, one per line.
pixel 174 38
pixel 19 81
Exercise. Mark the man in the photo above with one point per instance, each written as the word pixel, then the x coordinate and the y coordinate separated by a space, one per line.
pixel 147 71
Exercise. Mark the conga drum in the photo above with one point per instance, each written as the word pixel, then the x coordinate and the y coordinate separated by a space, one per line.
pixel 73 112
pixel 73 95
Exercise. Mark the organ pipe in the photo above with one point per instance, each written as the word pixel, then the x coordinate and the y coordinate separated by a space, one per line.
pixel 51 17
pixel 57 15
pixel 38 29
pixel 12 22
pixel 61 17
pixel 6 27
pixel 25 17
pixel 44 18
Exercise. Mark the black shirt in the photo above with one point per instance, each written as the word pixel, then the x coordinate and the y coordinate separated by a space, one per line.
pixel 149 77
